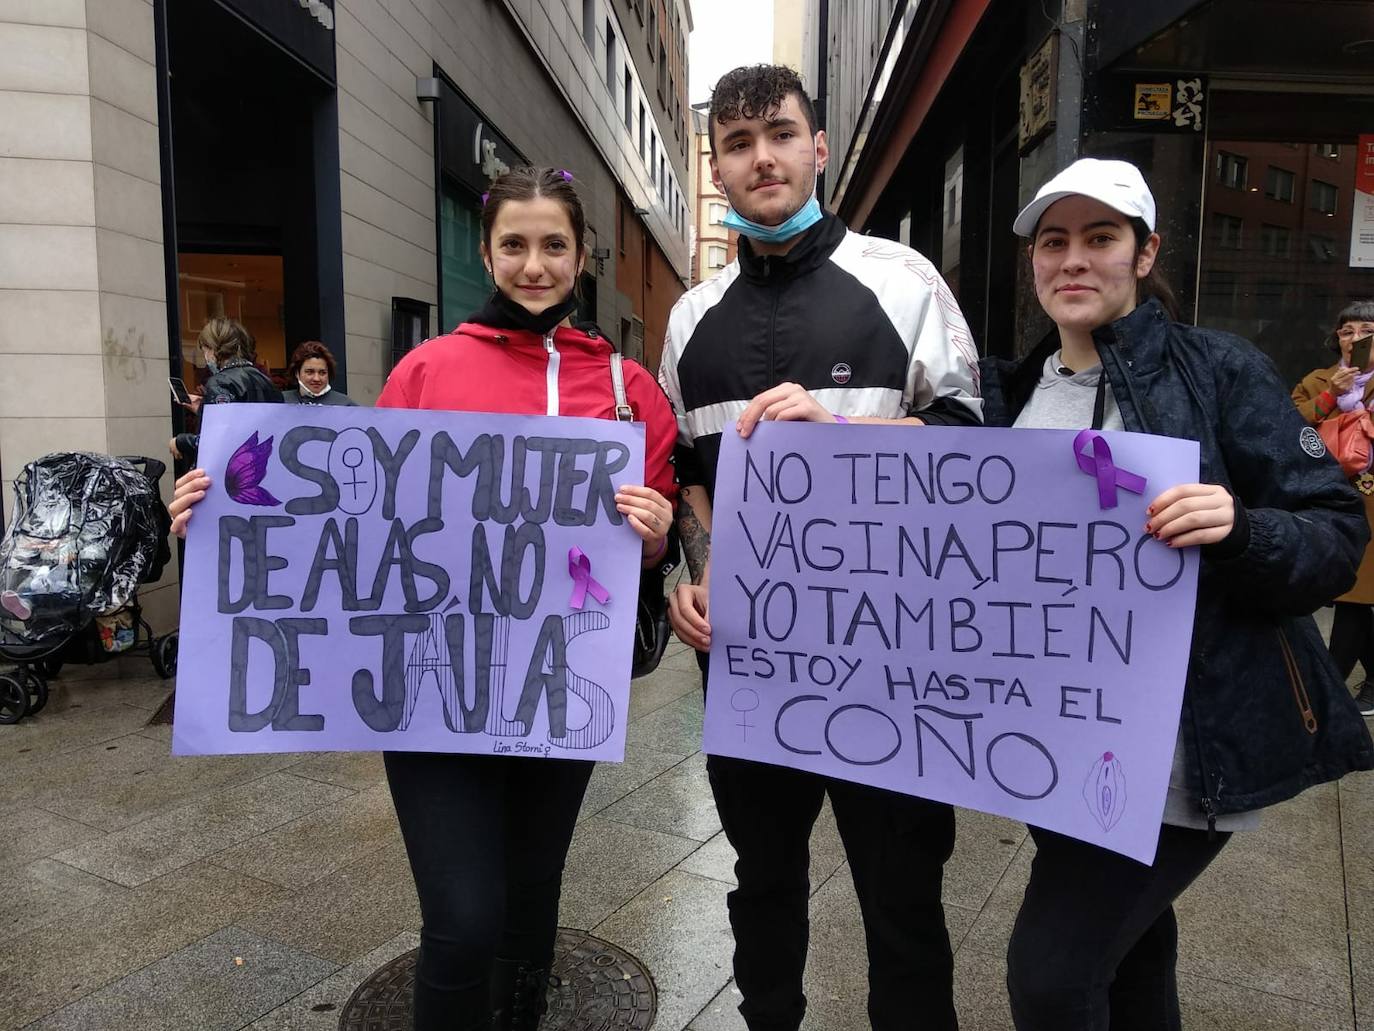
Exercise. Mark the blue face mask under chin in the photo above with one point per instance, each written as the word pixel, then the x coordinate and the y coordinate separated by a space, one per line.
pixel 801 220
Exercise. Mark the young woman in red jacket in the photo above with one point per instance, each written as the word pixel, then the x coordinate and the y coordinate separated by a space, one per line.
pixel 487 836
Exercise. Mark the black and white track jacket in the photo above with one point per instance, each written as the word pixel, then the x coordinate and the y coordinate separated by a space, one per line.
pixel 866 325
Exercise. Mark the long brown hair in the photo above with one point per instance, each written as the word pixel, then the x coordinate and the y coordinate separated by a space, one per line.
pixel 527 183
pixel 228 339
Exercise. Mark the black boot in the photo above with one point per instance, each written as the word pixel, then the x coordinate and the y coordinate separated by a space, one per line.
pixel 519 995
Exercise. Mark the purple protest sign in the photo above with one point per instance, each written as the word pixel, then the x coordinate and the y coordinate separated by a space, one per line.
pixel 968 615
pixel 364 579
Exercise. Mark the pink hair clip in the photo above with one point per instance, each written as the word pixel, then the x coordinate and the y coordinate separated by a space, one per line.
pixel 484 199
pixel 567 176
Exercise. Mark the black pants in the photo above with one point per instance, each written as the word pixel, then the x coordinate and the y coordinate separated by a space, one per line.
pixel 1352 638
pixel 1096 943
pixel 487 838
pixel 897 846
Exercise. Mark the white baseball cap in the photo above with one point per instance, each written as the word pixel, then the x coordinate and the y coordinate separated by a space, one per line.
pixel 1117 184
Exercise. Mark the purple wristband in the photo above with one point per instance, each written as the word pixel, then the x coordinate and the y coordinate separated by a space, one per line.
pixel 841 420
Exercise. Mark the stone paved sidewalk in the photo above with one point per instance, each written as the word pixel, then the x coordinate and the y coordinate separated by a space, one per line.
pixel 136 882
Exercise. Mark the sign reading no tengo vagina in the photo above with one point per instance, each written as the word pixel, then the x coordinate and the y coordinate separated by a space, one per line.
pixel 970 615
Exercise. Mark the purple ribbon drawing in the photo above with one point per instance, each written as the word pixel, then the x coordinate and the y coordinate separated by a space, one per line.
pixel 580 569
pixel 1100 465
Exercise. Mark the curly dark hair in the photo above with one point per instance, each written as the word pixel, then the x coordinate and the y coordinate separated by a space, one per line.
pixel 303 353
pixel 756 91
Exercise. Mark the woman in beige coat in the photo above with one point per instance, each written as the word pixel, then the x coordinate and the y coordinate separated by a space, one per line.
pixel 1325 394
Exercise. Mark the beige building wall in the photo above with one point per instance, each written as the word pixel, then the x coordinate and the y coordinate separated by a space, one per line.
pixel 792 32
pixel 83 322
pixel 386 143
pixel 707 202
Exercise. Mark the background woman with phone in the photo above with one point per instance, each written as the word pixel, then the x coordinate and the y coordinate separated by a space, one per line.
pixel 1328 394
pixel 229 350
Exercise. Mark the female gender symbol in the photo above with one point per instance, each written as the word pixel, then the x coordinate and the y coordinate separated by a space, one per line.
pixel 744 701
pixel 353 465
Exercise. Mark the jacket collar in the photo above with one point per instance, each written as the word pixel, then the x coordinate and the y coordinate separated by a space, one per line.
pixel 811 251
pixel 1138 337
pixel 584 336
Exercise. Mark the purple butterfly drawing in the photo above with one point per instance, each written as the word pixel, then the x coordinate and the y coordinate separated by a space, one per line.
pixel 243 475
pixel 1105 791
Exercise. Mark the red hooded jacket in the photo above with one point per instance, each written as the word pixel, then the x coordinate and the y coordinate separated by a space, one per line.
pixel 478 368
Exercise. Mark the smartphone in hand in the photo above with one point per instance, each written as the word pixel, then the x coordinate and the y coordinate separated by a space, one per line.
pixel 179 392
pixel 1360 352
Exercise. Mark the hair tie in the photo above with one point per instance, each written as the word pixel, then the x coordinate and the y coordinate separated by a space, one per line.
pixel 567 176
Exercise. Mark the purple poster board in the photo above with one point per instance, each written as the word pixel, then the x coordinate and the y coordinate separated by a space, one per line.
pixel 363 579
pixel 951 613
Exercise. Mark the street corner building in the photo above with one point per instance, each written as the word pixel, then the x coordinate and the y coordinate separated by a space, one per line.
pixel 1251 120
pixel 313 169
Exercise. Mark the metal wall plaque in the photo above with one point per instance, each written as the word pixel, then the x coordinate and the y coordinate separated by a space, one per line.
pixel 1039 93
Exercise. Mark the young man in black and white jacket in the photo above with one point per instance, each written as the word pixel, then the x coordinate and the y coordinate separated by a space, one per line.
pixel 811 323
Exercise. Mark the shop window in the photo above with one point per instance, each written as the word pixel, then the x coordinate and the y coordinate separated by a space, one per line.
pixel 1323 247
pixel 1269 300
pixel 1329 150
pixel 1322 197
pixel 610 57
pixel 1229 231
pixel 246 287
pixel 1278 184
pixel 409 326
pixel 715 256
pixel 1275 241
pixel 465 277
pixel 1232 170
pixel 1219 293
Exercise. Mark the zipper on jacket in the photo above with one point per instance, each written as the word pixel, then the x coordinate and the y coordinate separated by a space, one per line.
pixel 1309 718
pixel 773 335
pixel 1210 811
pixel 1209 808
pixel 551 375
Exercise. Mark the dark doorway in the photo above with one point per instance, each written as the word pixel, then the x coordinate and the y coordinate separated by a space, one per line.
pixel 254 139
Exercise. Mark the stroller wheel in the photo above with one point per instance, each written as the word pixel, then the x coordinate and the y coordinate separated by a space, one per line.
pixel 14 699
pixel 38 690
pixel 48 667
pixel 165 655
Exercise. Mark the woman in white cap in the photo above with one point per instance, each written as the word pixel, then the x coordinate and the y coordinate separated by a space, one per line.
pixel 1264 714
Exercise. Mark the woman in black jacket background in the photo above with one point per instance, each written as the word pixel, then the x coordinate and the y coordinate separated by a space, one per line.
pixel 229 350
pixel 1265 714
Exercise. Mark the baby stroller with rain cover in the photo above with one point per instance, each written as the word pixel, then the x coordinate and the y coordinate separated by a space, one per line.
pixel 88 530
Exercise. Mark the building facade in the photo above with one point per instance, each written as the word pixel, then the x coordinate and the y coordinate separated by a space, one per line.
pixel 713 245
pixel 1246 116
pixel 314 169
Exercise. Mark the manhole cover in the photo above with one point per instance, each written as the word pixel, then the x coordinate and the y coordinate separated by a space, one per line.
pixel 601 987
